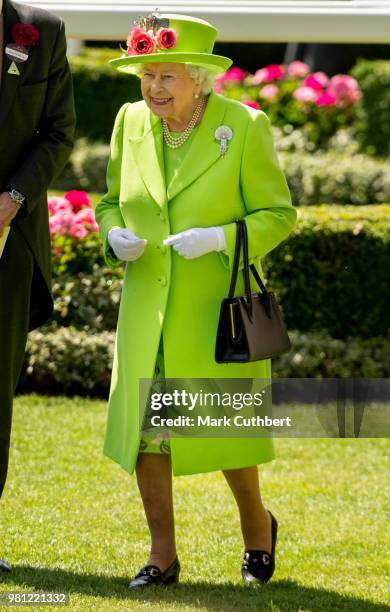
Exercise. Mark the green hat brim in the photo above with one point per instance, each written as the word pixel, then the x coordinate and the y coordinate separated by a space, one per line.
pixel 216 63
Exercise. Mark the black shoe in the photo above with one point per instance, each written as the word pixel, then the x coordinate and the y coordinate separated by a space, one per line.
pixel 4 567
pixel 259 565
pixel 151 575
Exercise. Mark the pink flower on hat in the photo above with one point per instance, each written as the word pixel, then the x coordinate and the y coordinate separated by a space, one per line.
pixel 140 42
pixel 166 38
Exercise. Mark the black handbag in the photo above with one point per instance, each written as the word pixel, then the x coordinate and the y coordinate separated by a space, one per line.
pixel 250 326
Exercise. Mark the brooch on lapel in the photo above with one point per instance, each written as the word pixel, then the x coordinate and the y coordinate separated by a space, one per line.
pixel 223 134
pixel 24 35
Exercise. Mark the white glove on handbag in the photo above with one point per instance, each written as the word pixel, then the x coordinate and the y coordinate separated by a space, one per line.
pixel 126 245
pixel 197 241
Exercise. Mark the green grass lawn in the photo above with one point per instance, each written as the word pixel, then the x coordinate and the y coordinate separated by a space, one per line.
pixel 72 521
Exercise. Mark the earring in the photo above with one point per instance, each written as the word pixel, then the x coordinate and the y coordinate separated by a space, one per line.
pixel 196 96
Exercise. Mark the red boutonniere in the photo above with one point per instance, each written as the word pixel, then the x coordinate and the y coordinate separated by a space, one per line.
pixel 25 34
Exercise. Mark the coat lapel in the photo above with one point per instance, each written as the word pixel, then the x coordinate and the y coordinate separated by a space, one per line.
pixel 149 157
pixel 204 150
pixel 9 82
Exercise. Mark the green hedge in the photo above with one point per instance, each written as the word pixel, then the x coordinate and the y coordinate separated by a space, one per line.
pixel 331 274
pixel 100 91
pixel 373 125
pixel 87 301
pixel 330 177
pixel 70 362
pixel 334 178
pixel 67 362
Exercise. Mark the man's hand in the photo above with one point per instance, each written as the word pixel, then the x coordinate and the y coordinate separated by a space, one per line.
pixel 8 210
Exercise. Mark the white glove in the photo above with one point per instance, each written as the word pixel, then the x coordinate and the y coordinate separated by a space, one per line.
pixel 126 245
pixel 197 241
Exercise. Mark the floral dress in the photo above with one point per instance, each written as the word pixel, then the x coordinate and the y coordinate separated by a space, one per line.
pixel 152 443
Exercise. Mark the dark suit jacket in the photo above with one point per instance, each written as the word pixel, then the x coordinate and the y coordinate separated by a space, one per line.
pixel 37 120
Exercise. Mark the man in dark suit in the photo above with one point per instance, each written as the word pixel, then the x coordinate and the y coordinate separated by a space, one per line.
pixel 37 122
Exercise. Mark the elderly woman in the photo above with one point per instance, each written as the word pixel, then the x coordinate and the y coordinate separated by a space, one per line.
pixel 185 163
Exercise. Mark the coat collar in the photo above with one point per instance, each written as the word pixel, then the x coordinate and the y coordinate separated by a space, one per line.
pixel 9 82
pixel 149 153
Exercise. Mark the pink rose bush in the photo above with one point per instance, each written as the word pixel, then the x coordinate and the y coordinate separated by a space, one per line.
pixel 297 69
pixel 71 215
pixel 73 228
pixel 273 72
pixel 294 95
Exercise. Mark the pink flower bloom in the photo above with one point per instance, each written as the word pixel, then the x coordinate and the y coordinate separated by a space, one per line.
pixel 269 92
pixel 72 215
pixel 61 222
pixel 273 72
pixel 166 38
pixel 345 89
pixel 233 74
pixel 297 69
pixel 316 80
pixel 325 99
pixel 304 94
pixel 56 204
pixel 78 231
pixel 140 42
pixel 78 199
pixel 252 104
pixel 86 217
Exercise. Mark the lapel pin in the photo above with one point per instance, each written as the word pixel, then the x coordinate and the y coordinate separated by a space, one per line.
pixel 223 134
pixel 16 53
pixel 13 69
pixel 24 35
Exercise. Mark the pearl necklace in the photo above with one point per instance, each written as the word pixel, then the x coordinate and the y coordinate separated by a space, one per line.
pixel 175 143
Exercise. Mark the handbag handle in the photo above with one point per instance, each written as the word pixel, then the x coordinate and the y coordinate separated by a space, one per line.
pixel 242 239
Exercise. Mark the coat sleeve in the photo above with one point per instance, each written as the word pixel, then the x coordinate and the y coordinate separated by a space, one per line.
pixel 270 214
pixel 53 144
pixel 107 212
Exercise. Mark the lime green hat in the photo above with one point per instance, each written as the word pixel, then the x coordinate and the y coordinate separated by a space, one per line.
pixel 171 38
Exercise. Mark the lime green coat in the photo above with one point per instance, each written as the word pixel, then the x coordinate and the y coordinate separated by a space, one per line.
pixel 165 293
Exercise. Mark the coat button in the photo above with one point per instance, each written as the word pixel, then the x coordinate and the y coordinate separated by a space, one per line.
pixel 162 248
pixel 162 280
pixel 159 214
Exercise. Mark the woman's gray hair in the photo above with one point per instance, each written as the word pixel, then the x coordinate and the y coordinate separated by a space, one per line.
pixel 200 75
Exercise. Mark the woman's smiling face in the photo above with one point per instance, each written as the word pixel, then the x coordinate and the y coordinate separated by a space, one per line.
pixel 169 91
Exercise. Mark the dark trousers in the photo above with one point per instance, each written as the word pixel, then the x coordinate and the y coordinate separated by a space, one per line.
pixel 16 274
